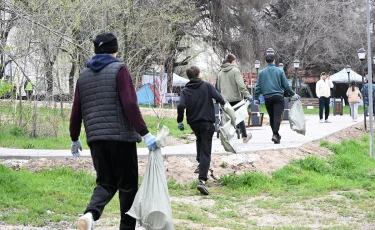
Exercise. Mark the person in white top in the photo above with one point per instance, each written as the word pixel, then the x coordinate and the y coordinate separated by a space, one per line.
pixel 323 92
pixel 354 96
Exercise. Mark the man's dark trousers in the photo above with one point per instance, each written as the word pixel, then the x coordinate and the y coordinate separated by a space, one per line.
pixel 323 103
pixel 240 125
pixel 275 107
pixel 203 131
pixel 116 165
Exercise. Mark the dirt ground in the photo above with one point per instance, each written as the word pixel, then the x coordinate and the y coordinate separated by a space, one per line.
pixel 181 168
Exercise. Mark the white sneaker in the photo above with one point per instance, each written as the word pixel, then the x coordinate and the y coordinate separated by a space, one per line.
pixel 321 121
pixel 246 139
pixel 86 222
pixel 140 228
pixel 355 120
pixel 327 121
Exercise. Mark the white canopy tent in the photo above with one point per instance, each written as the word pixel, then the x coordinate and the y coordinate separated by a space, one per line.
pixel 161 85
pixel 342 76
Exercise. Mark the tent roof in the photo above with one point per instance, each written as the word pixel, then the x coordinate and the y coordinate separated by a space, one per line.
pixel 179 81
pixel 342 76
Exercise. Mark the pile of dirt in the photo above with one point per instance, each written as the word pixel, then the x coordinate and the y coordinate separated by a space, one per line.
pixel 181 169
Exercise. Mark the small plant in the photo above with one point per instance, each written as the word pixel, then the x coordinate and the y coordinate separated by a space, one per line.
pixel 224 165
pixel 17 132
pixel 29 146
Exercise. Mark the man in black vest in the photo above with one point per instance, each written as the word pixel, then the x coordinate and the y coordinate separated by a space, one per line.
pixel 106 101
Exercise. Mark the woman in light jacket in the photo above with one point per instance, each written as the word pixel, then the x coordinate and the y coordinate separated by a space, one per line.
pixel 354 96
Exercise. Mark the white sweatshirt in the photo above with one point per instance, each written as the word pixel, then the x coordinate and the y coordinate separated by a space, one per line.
pixel 323 88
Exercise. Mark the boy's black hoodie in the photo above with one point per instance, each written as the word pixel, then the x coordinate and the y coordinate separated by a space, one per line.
pixel 197 97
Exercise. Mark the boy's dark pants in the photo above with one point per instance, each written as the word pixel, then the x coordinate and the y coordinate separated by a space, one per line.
pixel 203 131
pixel 275 107
pixel 116 166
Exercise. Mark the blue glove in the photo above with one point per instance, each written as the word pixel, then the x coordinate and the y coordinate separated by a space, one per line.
pixel 181 126
pixel 74 148
pixel 296 96
pixel 150 141
pixel 250 98
pixel 256 102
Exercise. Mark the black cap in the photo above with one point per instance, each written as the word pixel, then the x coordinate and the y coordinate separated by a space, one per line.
pixel 105 43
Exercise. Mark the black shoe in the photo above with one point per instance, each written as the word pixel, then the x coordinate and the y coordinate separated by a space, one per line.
pixel 276 139
pixel 202 188
pixel 197 169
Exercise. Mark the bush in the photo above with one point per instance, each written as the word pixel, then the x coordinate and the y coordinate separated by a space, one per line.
pixel 17 132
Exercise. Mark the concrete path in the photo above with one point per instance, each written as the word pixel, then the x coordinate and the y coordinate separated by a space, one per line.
pixel 261 140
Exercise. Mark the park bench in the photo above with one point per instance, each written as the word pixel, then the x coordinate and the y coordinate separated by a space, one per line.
pixel 306 102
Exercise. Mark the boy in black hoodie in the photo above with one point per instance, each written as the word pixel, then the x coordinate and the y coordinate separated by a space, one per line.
pixel 197 97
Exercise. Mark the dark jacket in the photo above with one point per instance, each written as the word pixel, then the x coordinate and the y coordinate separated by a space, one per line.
pixel 99 101
pixel 197 97
pixel 272 82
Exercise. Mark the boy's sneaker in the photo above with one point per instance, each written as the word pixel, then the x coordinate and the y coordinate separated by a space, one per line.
pixel 246 139
pixel 86 222
pixel 197 169
pixel 276 139
pixel 327 121
pixel 202 188
pixel 321 121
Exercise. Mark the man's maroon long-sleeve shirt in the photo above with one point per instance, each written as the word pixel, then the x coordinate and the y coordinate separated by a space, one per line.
pixel 129 102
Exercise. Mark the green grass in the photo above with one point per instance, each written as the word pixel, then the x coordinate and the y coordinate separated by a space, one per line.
pixel 350 167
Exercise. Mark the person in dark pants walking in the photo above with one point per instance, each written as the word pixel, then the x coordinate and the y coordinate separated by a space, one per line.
pixel 106 101
pixel 197 97
pixel 323 92
pixel 271 84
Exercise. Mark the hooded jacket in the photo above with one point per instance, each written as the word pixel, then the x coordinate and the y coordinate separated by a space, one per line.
pixel 231 84
pixel 197 97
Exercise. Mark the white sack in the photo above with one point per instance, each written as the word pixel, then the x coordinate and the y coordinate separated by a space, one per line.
pixel 151 206
pixel 297 118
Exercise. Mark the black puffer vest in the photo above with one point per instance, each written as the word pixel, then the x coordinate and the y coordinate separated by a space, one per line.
pixel 102 111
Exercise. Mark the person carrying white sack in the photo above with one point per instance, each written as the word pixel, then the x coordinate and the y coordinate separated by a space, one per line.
pixel 354 97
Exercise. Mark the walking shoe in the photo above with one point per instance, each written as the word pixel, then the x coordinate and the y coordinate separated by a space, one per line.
pixel 197 169
pixel 202 188
pixel 276 139
pixel 246 139
pixel 86 222
pixel 321 121
pixel 355 120
pixel 327 121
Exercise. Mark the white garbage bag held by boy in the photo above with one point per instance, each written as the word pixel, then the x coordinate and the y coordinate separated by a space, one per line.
pixel 152 206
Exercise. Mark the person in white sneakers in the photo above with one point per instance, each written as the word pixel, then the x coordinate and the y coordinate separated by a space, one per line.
pixel 106 102
pixel 354 96
pixel 323 92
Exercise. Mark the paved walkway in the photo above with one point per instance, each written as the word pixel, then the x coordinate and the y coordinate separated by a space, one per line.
pixel 261 140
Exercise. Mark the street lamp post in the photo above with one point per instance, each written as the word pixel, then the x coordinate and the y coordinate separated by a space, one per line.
pixel 257 66
pixel 270 51
pixel 296 66
pixel 348 69
pixel 153 67
pixel 361 55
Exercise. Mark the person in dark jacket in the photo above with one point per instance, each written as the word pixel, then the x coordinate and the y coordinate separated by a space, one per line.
pixel 271 84
pixel 106 101
pixel 197 97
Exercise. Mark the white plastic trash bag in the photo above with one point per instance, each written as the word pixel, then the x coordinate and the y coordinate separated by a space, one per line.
pixel 151 205
pixel 241 111
pixel 227 129
pixel 297 118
